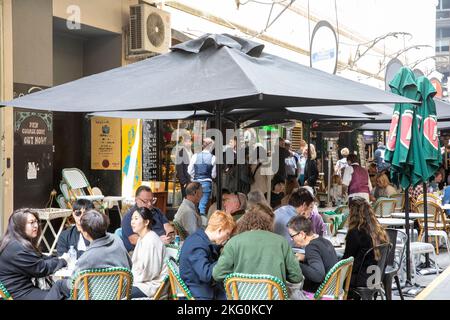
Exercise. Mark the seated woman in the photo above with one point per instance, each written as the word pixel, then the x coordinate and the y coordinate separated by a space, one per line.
pixel 319 256
pixel 148 258
pixel 257 250
pixel 72 236
pixel 21 260
pixel 278 192
pixel 199 255
pixel 105 250
pixel 383 188
pixel 364 233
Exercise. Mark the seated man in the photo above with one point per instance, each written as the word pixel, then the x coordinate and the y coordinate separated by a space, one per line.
pixel 187 214
pixel 319 256
pixel 301 203
pixel 72 236
pixel 234 203
pixel 162 227
pixel 105 251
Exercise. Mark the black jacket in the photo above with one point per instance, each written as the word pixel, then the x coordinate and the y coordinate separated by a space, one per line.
pixel 19 264
pixel 69 237
pixel 311 172
pixel 182 167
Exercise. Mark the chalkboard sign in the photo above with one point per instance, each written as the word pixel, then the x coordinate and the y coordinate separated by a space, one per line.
pixel 150 150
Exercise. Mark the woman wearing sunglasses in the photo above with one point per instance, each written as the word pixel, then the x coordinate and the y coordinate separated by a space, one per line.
pixel 72 236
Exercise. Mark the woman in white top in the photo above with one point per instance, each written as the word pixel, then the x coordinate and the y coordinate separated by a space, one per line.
pixel 148 258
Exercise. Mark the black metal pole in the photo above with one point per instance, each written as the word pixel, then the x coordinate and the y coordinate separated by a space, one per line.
pixel 218 114
pixel 425 213
pixel 408 253
pixel 309 141
pixel 236 163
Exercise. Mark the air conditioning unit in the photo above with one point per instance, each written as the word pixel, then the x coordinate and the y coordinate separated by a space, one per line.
pixel 149 30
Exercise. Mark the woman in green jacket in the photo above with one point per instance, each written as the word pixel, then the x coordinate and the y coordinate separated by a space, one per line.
pixel 257 250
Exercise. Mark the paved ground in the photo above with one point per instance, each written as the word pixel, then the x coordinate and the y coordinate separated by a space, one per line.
pixel 439 291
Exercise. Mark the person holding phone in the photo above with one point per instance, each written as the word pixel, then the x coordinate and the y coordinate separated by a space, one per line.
pixel 162 227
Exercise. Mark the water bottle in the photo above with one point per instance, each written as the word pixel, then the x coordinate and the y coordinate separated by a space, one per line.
pixel 177 240
pixel 72 257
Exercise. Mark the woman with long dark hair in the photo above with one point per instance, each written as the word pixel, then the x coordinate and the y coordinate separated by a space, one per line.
pixel 21 260
pixel 148 265
pixel 364 233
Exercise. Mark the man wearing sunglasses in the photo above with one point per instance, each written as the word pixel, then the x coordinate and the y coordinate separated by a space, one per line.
pixel 162 227
pixel 72 236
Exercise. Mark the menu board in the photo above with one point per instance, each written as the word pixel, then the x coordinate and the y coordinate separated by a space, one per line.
pixel 150 150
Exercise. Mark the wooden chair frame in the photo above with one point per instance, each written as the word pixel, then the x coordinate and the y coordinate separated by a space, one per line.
pixel 83 276
pixel 231 288
pixel 336 271
pixel 4 294
pixel 438 217
pixel 177 282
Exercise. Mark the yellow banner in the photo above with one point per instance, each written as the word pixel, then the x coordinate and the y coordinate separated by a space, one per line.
pixel 131 156
pixel 105 144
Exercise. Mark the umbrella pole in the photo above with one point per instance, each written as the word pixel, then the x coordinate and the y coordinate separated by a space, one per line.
pixel 218 114
pixel 238 168
pixel 408 253
pixel 425 213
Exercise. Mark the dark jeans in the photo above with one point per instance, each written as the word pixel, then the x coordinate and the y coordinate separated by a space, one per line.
pixel 59 291
pixel 33 294
pixel 137 293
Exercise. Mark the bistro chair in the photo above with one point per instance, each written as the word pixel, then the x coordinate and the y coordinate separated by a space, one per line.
pixel 65 193
pixel 78 185
pixel 400 201
pixel 431 197
pixel 394 262
pixel 178 288
pixel 161 293
pixel 242 286
pixel 61 202
pixel 102 284
pixel 438 226
pixel 172 252
pixel 336 283
pixel 384 207
pixel 4 294
pixel 180 230
pixel 369 293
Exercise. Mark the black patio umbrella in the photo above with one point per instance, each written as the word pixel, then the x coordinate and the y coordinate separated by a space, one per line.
pixel 216 73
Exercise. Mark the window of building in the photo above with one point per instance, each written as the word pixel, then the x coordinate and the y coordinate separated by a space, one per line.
pixel 445 4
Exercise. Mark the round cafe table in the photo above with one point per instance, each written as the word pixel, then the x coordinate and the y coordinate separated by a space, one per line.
pixel 412 215
pixel 393 222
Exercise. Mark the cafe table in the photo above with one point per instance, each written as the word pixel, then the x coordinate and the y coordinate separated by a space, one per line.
pixel 412 215
pixel 47 215
pixel 393 222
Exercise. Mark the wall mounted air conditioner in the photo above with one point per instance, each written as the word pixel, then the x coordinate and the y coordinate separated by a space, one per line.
pixel 149 30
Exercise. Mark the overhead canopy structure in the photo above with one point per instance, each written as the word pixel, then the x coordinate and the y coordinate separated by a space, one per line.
pixel 213 71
